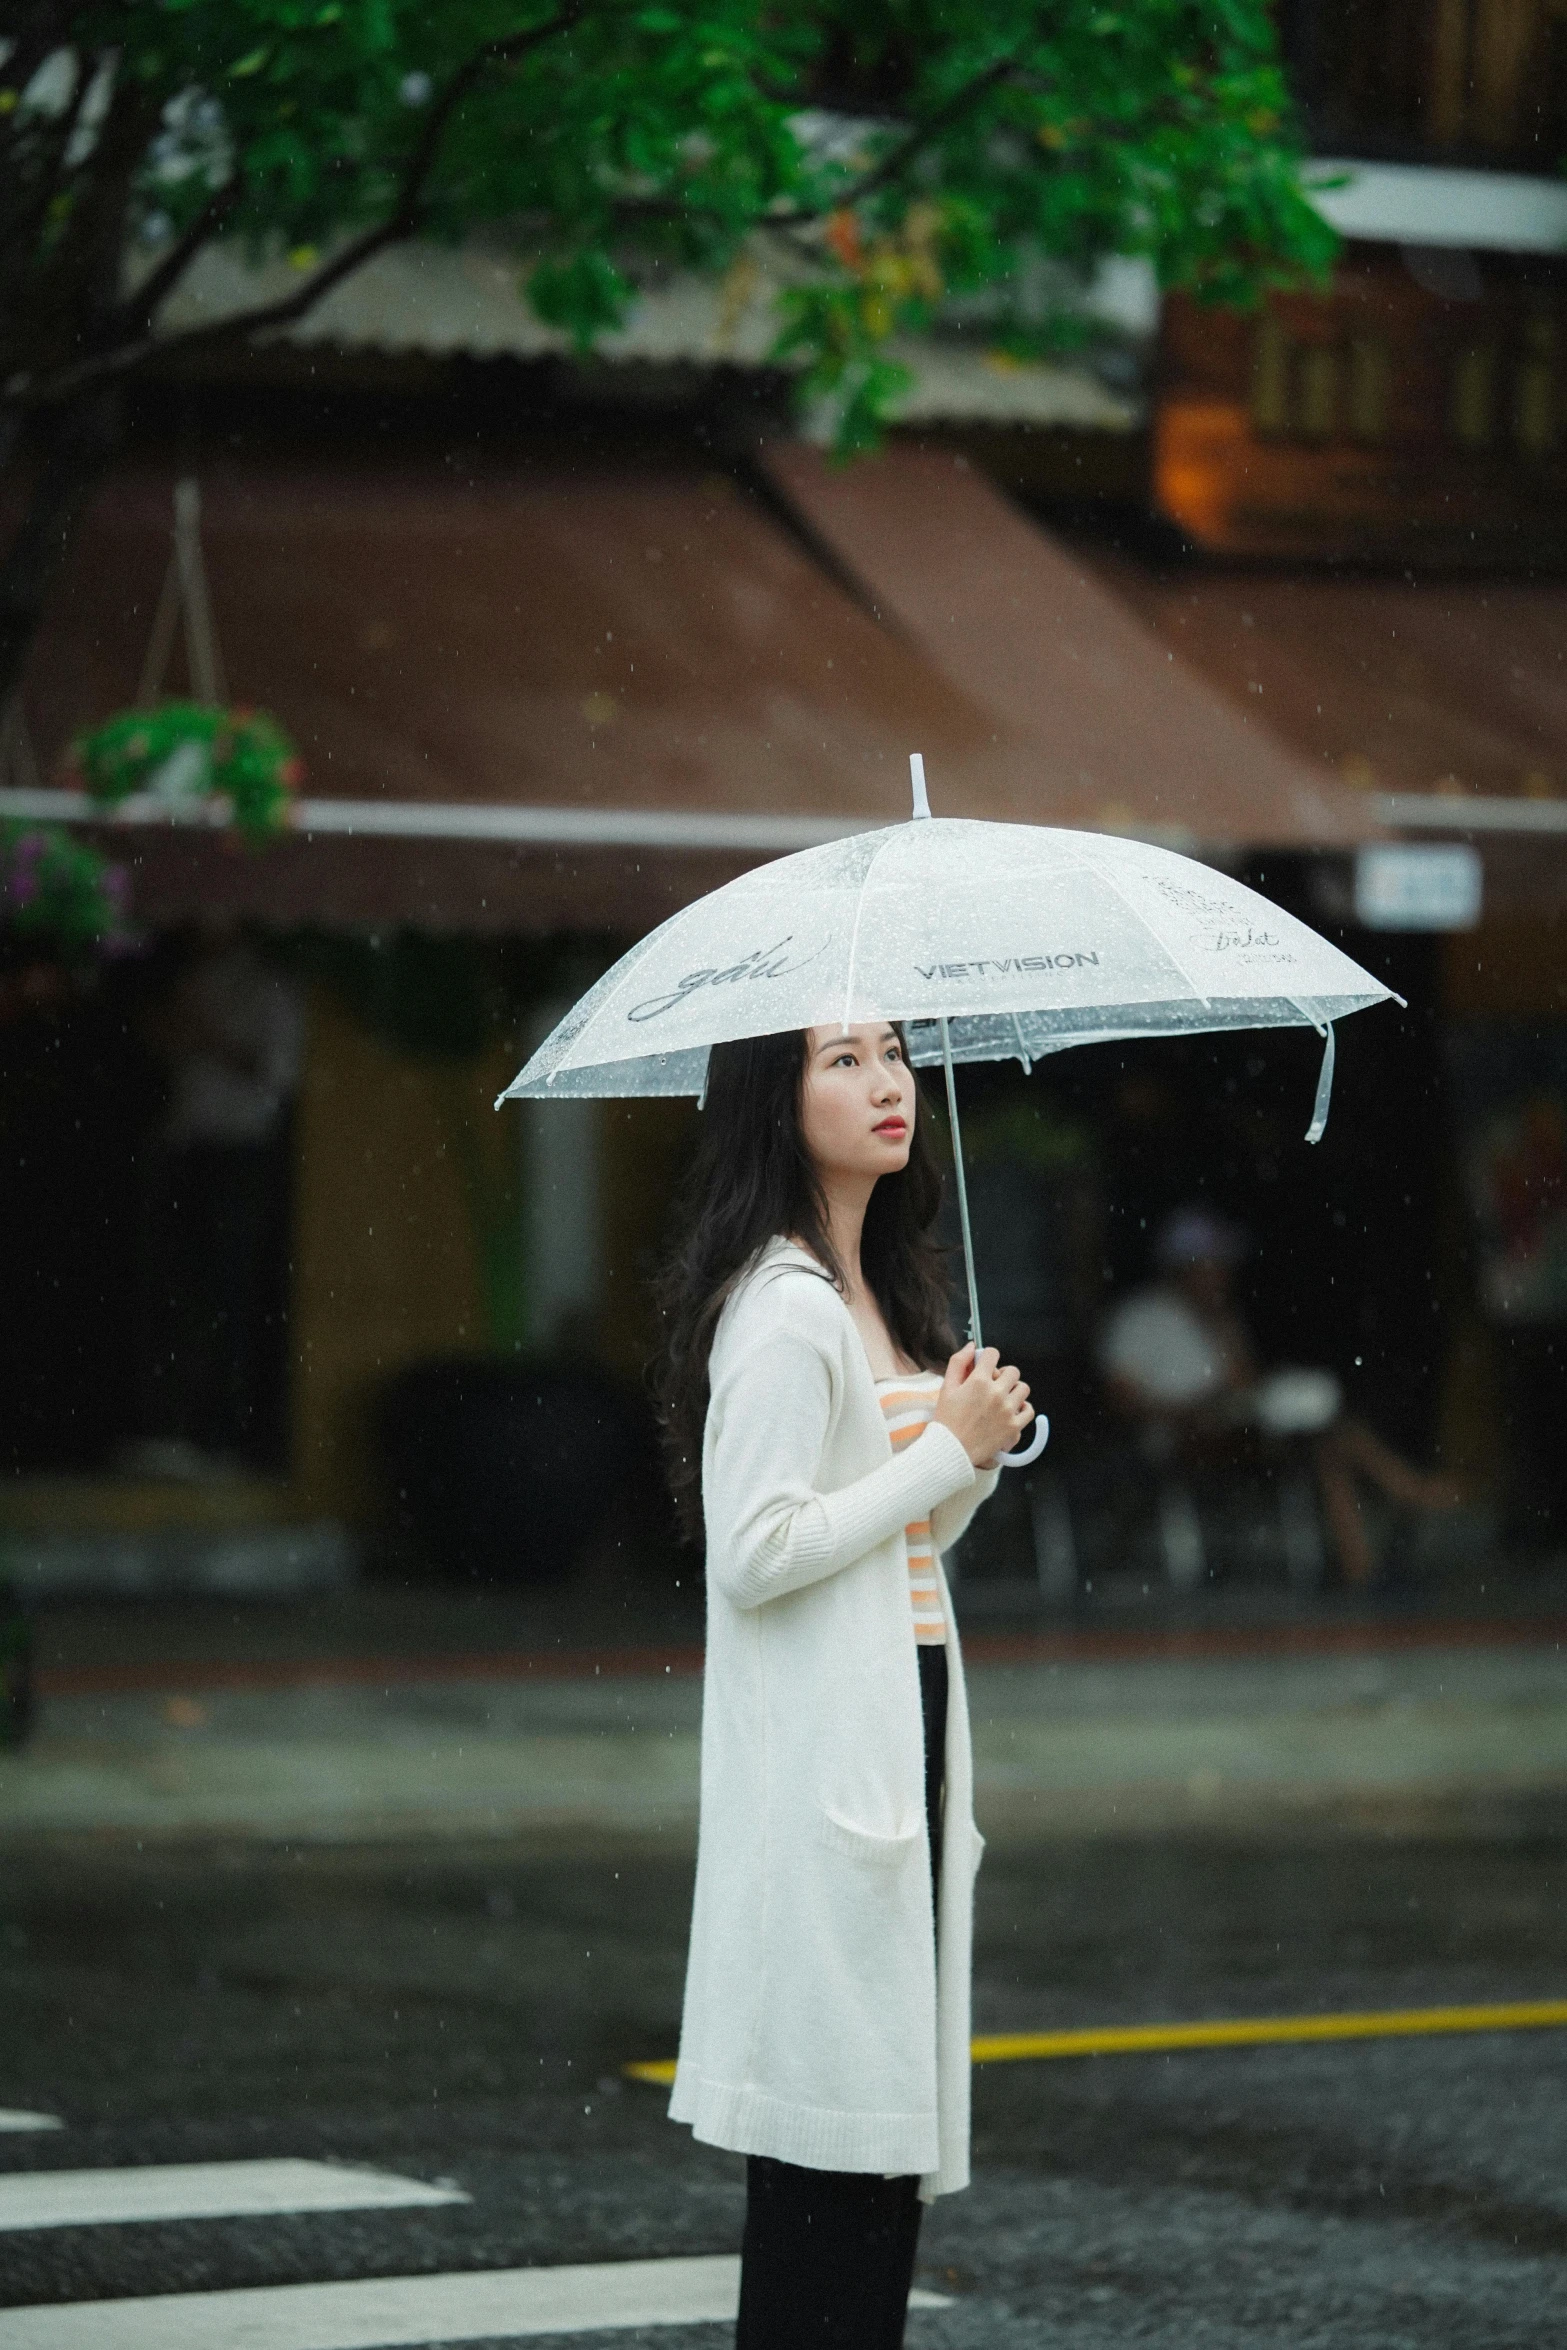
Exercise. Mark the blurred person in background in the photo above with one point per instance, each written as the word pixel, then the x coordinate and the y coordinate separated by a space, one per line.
pixel 1178 1361
pixel 230 1031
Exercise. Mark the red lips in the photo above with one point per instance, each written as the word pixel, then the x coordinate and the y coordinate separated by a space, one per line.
pixel 894 1128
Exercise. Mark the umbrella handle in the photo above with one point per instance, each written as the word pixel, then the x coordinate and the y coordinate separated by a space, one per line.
pixel 1034 1447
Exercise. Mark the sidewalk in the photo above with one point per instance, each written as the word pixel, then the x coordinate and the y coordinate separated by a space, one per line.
pixel 1075 1733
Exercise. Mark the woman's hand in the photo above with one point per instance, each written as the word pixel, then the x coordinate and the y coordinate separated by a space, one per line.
pixel 984 1403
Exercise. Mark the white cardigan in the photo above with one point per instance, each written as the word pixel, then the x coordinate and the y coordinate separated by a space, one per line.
pixel 818 2026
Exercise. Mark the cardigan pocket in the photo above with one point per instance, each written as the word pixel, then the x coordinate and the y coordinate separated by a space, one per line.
pixel 865 1844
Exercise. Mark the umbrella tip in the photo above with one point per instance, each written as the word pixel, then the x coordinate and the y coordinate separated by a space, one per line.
pixel 917 778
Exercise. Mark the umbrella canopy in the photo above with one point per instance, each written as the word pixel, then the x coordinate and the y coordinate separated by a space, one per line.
pixel 991 941
pixel 1023 939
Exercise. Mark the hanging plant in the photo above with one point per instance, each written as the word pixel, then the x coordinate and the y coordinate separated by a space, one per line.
pixel 60 897
pixel 186 752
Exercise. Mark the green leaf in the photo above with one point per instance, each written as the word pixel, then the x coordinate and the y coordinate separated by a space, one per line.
pixel 583 292
pixel 187 750
pixel 643 132
pixel 59 895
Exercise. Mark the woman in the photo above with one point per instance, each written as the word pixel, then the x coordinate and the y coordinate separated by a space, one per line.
pixel 829 1462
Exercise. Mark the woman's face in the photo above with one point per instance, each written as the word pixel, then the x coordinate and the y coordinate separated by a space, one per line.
pixel 857 1101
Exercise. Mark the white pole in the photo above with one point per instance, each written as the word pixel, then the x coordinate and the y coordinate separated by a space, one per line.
pixel 957 1168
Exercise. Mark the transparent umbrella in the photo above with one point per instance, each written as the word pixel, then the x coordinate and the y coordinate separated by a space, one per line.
pixel 988 941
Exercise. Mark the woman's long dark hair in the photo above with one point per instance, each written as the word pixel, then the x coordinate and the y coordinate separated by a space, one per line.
pixel 750 1182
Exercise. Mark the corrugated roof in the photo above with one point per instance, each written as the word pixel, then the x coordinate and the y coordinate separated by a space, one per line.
pixel 439 300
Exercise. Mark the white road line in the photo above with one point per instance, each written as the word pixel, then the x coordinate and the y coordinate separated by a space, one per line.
pixel 381 2313
pixel 201 2190
pixel 11 2118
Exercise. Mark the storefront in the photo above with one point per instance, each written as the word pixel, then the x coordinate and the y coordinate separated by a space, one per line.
pixel 542 707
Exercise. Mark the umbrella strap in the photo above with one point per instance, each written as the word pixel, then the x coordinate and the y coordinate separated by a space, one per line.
pixel 1319 1110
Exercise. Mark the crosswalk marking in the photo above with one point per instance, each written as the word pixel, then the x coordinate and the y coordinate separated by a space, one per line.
pixel 201 2190
pixel 384 2313
pixel 13 2119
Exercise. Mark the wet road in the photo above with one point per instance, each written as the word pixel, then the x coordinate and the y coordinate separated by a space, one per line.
pixel 458 2015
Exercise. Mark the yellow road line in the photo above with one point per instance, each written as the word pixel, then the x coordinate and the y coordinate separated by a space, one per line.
pixel 1262 2030
pixel 1248 2031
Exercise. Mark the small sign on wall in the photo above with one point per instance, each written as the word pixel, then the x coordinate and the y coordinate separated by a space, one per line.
pixel 1418 886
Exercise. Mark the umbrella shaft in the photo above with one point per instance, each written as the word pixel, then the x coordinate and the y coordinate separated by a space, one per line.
pixel 957 1165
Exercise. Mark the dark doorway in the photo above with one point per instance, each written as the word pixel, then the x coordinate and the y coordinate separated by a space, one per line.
pixel 95 1215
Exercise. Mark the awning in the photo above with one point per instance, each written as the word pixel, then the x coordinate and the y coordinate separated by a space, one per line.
pixel 637 672
pixel 1442 703
pixel 544 697
pixel 1122 734
pixel 1407 691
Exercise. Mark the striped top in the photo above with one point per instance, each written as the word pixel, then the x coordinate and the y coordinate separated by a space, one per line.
pixel 909 1403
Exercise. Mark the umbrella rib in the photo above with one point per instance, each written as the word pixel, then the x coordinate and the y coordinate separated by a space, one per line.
pixel 854 935
pixel 628 966
pixel 1153 931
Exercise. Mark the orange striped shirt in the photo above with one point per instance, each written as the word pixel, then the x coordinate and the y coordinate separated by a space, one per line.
pixel 908 1404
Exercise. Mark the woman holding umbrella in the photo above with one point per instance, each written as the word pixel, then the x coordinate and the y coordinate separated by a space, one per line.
pixel 830 1444
pixel 831 1460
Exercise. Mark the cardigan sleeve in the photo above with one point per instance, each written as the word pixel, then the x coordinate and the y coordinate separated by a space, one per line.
pixel 770 1529
pixel 951 1518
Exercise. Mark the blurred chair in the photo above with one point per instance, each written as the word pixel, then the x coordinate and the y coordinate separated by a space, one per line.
pixel 1108 1499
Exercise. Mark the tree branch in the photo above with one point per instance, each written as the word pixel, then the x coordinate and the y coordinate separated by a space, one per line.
pixel 160 282
pixel 893 165
pixel 505 51
pixel 49 143
pixel 399 224
pixel 92 240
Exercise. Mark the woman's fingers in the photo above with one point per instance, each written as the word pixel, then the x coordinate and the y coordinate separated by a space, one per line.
pixel 1020 1418
pixel 985 1402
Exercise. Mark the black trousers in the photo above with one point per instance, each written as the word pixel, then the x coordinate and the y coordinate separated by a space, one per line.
pixel 828 2256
